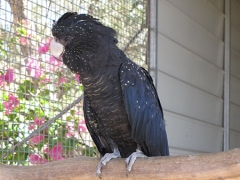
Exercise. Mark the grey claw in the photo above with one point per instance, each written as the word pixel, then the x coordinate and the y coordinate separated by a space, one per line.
pixel 99 173
pixel 106 158
pixel 132 158
pixel 127 171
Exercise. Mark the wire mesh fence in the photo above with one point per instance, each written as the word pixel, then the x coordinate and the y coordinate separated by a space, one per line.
pixel 35 87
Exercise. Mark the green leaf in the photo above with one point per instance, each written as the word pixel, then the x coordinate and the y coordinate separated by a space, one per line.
pixel 81 87
pixel 22 149
pixel 72 112
pixel 15 127
pixel 38 112
pixel 60 122
pixel 19 157
pixel 44 94
pixel 69 118
pixel 24 88
pixel 5 96
pixel 22 31
pixel 13 40
pixel 89 151
pixel 10 159
pixel 2 51
pixel 12 116
pixel 69 144
pixel 1 107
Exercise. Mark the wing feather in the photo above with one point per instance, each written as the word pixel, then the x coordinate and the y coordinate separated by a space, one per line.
pixel 144 110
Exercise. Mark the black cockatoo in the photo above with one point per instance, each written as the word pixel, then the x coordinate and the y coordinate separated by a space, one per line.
pixel 121 107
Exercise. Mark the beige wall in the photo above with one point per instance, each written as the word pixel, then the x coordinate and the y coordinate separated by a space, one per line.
pixel 235 75
pixel 190 58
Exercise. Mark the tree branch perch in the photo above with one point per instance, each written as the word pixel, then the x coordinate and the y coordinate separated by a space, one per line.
pixel 224 165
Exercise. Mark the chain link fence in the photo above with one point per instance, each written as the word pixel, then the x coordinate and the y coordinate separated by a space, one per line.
pixel 35 87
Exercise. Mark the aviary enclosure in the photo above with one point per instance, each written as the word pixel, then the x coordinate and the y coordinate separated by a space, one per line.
pixel 35 87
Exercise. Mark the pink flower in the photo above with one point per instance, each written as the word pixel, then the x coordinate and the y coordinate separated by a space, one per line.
pixel 23 41
pixel 77 77
pixel 79 113
pixel 69 134
pixel 8 77
pixel 45 80
pixel 46 150
pixel 53 63
pixel 38 121
pixel 33 66
pixel 44 47
pixel 25 22
pixel 56 152
pixel 62 80
pixel 1 82
pixel 82 126
pixel 10 104
pixel 31 126
pixel 37 139
pixel 70 128
pixel 36 159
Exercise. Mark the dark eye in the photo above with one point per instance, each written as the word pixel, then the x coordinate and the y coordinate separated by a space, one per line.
pixel 67 39
pixel 56 39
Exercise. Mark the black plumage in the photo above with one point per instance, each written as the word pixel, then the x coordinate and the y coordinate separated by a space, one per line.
pixel 121 105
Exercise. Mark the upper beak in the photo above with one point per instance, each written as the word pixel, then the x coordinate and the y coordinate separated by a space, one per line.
pixel 56 49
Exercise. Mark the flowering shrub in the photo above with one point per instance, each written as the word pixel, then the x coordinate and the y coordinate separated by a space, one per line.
pixel 8 77
pixel 36 159
pixel 33 90
pixel 10 104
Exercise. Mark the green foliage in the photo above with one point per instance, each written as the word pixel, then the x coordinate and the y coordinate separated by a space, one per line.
pixel 30 100
pixel 3 53
pixel 25 88
pixel 22 31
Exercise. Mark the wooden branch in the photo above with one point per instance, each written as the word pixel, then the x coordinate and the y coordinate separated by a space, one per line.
pixel 224 165
pixel 17 9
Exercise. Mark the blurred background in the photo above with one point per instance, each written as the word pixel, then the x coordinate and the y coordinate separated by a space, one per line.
pixel 35 87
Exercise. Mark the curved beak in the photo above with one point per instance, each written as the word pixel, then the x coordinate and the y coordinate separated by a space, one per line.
pixel 56 49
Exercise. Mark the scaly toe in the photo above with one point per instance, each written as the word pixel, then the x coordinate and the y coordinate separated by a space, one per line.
pixel 106 158
pixel 132 158
pixel 98 173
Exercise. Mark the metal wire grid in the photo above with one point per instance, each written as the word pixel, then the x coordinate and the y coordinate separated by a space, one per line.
pixel 34 87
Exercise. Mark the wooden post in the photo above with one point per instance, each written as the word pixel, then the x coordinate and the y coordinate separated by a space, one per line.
pixel 224 165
